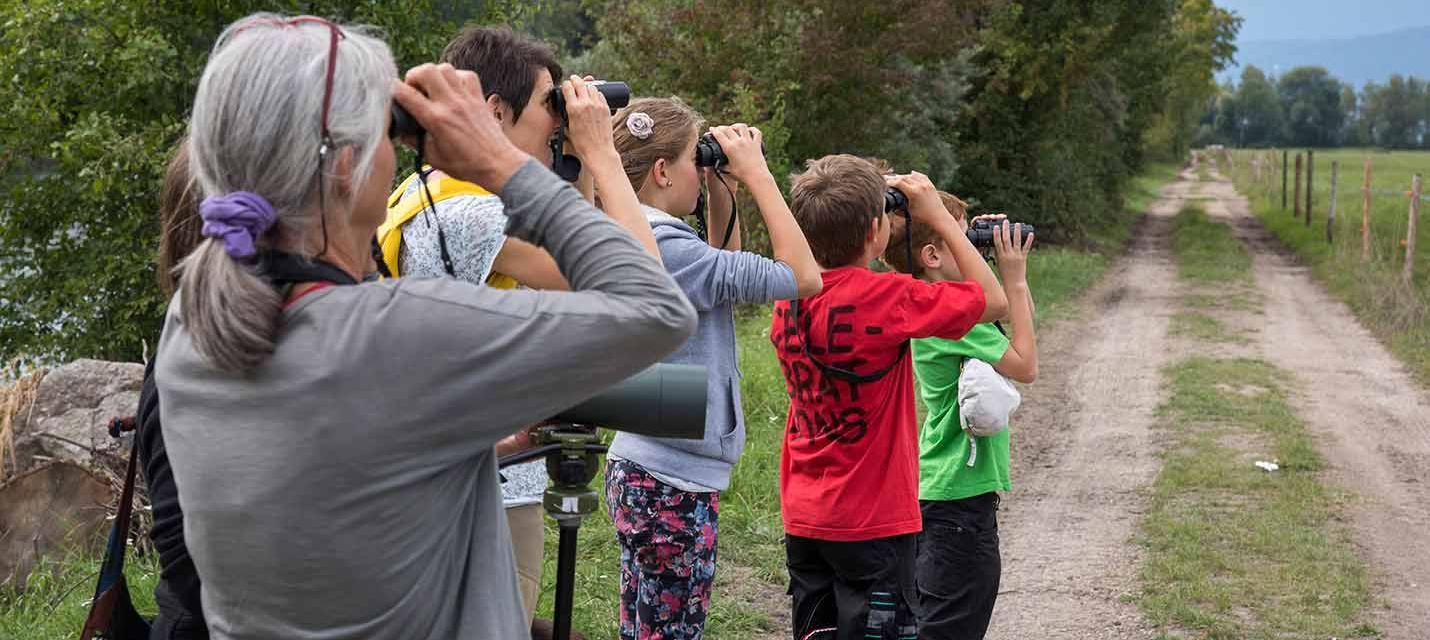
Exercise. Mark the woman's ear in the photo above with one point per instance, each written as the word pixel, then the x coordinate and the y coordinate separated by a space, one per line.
pixel 343 172
pixel 498 107
pixel 658 173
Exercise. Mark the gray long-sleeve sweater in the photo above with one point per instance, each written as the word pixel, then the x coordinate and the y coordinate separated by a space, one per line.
pixel 347 487
pixel 715 281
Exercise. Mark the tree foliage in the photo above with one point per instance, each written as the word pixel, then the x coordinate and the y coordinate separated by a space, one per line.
pixel 1311 100
pixel 1309 107
pixel 1041 108
pixel 1252 114
pixel 93 95
pixel 1073 93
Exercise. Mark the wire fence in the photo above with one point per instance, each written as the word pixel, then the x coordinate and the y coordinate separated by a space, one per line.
pixel 1297 186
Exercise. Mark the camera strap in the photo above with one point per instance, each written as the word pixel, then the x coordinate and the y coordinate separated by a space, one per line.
pixel 839 372
pixel 734 210
pixel 430 213
pixel 702 230
pixel 909 240
pixel 286 269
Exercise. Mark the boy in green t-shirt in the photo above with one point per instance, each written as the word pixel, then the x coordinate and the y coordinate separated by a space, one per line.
pixel 958 559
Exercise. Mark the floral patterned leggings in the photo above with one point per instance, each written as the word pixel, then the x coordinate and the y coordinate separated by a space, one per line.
pixel 667 541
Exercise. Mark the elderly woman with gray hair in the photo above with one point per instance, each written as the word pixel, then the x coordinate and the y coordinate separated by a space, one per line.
pixel 332 439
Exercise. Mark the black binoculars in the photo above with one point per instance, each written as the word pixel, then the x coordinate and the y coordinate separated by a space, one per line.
pixel 618 94
pixel 895 200
pixel 709 154
pixel 980 233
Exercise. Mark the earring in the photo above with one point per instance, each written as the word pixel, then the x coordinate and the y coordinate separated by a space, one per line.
pixel 669 183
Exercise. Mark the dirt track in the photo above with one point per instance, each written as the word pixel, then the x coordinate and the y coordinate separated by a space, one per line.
pixel 1084 449
pixel 1371 420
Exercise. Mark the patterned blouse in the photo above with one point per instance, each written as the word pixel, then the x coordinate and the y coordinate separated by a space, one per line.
pixel 475 228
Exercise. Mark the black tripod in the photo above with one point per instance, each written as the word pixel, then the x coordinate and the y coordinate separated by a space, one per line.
pixel 571 461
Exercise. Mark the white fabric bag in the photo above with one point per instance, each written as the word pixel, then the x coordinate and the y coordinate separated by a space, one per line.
pixel 986 402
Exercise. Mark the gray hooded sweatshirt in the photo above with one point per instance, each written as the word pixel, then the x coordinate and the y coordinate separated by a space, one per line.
pixel 714 281
pixel 347 487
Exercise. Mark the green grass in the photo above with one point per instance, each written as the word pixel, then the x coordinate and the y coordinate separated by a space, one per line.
pixel 751 532
pixel 1396 315
pixel 1212 302
pixel 1217 268
pixel 1207 252
pixel 55 601
pixel 1234 551
pixel 1201 326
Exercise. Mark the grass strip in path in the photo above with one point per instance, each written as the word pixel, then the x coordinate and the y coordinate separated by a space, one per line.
pixel 1207 252
pixel 1217 269
pixel 1234 551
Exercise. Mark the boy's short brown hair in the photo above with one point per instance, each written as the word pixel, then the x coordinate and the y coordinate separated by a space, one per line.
pixel 834 201
pixel 896 254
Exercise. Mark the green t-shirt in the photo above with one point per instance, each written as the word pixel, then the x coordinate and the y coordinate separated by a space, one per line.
pixel 944 473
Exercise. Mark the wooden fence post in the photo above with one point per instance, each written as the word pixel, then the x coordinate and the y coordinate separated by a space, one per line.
pixel 1286 166
pixel 1365 215
pixel 1331 212
pixel 1409 275
pixel 1296 193
pixel 1310 169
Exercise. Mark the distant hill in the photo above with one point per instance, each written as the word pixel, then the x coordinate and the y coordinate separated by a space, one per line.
pixel 1354 60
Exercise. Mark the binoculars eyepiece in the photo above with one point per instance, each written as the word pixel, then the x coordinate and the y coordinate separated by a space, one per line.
pixel 895 200
pixel 618 95
pixel 403 125
pixel 709 154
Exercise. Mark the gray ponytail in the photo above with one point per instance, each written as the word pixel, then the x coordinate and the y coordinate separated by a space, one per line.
pixel 256 127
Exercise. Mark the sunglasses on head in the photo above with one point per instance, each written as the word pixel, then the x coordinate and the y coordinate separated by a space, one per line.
pixel 325 144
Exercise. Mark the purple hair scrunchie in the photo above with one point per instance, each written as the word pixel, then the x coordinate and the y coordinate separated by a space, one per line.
pixel 238 218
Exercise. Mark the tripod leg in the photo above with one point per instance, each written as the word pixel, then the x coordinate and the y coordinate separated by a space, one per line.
pixel 565 578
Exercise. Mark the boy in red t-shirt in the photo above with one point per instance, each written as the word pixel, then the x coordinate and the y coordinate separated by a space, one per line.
pixel 849 469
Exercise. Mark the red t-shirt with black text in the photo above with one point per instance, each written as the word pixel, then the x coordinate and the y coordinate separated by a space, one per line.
pixel 849 470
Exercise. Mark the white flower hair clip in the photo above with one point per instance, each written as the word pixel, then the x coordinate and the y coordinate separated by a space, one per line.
pixel 640 124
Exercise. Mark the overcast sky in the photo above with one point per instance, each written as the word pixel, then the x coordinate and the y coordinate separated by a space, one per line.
pixel 1297 19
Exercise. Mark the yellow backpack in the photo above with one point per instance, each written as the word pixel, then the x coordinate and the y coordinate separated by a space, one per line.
pixel 400 210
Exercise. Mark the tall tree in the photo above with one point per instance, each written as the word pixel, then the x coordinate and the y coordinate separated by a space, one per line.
pixel 1352 133
pixel 1201 43
pixel 1071 91
pixel 1256 119
pixel 1311 100
pixel 1395 112
pixel 94 95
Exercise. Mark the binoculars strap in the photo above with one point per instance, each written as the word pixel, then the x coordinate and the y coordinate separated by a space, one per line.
pixel 844 374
